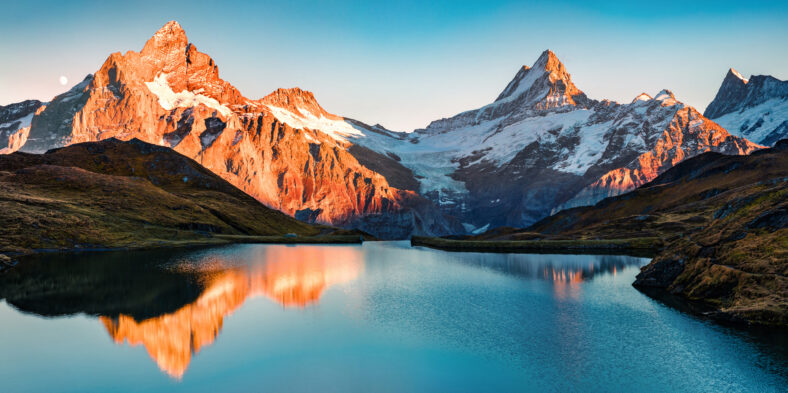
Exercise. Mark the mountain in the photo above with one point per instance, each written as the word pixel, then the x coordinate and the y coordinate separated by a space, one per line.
pixel 171 94
pixel 125 194
pixel 723 221
pixel 15 124
pixel 543 146
pixel 540 147
pixel 755 108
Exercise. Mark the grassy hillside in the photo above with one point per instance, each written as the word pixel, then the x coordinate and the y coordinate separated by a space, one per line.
pixel 126 194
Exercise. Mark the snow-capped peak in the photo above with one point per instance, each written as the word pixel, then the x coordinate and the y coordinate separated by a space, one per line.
pixel 738 75
pixel 642 97
pixel 665 94
pixel 299 109
pixel 547 63
pixel 297 101
pixel 544 85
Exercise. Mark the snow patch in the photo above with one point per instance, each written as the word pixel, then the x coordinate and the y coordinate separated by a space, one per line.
pixel 481 230
pixel 667 97
pixel 755 123
pixel 525 84
pixel 23 121
pixel 642 97
pixel 169 99
pixel 337 129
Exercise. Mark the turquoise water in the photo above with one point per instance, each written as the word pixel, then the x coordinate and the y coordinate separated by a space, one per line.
pixel 379 317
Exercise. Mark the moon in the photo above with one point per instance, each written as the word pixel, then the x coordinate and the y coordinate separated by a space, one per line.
pixel 63 80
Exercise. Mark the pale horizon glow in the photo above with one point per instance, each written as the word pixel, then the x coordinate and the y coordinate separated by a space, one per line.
pixel 404 64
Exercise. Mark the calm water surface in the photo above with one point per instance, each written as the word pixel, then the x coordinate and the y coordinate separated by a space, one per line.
pixel 377 317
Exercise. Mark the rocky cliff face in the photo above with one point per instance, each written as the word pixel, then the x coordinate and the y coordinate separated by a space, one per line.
pixel 755 108
pixel 15 124
pixel 273 149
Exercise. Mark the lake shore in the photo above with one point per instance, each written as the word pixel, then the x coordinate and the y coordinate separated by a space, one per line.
pixel 644 247
pixel 10 259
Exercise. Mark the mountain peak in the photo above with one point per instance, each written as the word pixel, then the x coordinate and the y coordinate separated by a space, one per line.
pixel 735 74
pixel 665 94
pixel 169 36
pixel 549 62
pixel 544 85
pixel 730 96
pixel 642 97
pixel 172 25
pixel 295 100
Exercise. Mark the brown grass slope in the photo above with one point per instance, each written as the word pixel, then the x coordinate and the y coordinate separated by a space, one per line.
pixel 723 221
pixel 125 194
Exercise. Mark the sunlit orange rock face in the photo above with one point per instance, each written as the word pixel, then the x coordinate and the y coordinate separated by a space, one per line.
pixel 171 94
pixel 293 277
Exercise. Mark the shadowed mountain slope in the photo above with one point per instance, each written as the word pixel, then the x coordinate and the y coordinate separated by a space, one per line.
pixel 124 194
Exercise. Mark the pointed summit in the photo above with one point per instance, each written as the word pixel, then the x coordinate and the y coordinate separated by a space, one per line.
pixel 730 96
pixel 549 62
pixel 733 73
pixel 642 97
pixel 168 37
pixel 665 94
pixel 544 85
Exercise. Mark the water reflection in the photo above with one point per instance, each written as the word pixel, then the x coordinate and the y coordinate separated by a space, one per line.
pixel 174 302
pixel 292 276
pixel 559 269
pixel 497 321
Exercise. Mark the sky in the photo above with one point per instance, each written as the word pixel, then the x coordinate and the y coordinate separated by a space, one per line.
pixel 405 63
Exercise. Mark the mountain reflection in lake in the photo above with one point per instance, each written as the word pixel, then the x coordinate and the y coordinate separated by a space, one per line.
pixel 402 318
pixel 174 303
pixel 292 276
pixel 205 285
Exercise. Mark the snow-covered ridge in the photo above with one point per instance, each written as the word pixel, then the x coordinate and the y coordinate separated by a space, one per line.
pixel 758 123
pixel 523 82
pixel 642 97
pixel 169 99
pixel 337 129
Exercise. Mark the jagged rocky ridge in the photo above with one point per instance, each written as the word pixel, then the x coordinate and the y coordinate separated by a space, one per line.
pixel 540 147
pixel 754 108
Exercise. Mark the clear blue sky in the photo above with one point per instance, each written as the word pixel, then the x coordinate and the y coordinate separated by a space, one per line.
pixel 403 64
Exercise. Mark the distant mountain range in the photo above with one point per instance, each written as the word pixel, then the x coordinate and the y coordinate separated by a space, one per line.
pixel 540 147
